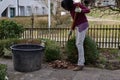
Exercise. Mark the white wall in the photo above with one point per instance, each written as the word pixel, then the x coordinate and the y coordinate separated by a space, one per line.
pixel 39 8
pixel 105 2
pixel 108 2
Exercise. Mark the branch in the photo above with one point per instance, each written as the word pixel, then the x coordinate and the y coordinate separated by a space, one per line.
pixel 114 8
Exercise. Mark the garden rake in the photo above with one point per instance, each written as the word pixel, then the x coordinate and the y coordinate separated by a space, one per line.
pixel 73 26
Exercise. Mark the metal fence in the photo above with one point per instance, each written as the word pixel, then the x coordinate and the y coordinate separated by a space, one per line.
pixel 106 36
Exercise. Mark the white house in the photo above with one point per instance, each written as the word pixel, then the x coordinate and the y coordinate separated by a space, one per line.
pixel 11 8
pixel 105 2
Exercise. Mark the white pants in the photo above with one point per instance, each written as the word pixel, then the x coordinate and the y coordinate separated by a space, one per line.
pixel 80 36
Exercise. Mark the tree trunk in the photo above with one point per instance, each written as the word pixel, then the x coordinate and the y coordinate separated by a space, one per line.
pixel 118 3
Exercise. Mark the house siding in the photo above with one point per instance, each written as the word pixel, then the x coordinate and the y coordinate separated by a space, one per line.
pixel 105 2
pixel 26 7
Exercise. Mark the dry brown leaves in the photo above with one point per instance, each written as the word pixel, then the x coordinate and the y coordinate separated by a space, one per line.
pixel 61 64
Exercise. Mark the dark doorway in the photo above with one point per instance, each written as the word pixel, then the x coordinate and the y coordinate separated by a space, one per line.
pixel 12 12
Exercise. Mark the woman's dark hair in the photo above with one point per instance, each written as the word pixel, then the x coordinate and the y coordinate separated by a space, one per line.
pixel 67 4
pixel 86 2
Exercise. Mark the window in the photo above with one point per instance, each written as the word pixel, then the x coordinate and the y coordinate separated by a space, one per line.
pixel 22 11
pixel 29 10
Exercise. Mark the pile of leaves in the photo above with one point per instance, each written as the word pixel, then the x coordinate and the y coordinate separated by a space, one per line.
pixel 61 64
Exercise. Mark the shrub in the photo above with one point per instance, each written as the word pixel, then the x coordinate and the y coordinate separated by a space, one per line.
pixel 3 72
pixel 91 52
pixel 5 46
pixel 71 50
pixel 52 51
pixel 10 29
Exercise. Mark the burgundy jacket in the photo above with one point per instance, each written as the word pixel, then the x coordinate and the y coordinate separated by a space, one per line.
pixel 80 17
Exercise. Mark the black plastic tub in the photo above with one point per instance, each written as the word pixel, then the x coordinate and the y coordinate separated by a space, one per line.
pixel 27 57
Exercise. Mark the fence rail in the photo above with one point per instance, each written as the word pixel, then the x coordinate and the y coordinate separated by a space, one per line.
pixel 106 36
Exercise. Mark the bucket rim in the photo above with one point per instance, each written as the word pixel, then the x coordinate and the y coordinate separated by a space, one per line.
pixel 13 47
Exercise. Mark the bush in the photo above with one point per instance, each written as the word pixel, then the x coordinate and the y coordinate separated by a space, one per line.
pixel 91 52
pixel 10 29
pixel 3 72
pixel 5 46
pixel 71 50
pixel 52 51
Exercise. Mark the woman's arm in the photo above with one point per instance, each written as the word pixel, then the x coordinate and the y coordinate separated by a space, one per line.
pixel 81 8
pixel 84 9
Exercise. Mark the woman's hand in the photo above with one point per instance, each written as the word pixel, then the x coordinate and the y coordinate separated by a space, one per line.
pixel 78 9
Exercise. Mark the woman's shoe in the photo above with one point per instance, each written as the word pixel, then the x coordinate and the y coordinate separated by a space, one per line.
pixel 78 68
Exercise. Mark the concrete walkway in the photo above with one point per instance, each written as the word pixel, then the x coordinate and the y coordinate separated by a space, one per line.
pixel 48 73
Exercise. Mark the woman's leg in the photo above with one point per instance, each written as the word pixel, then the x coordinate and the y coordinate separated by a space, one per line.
pixel 80 36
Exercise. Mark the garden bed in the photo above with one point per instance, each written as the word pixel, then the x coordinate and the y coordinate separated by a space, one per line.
pixel 109 59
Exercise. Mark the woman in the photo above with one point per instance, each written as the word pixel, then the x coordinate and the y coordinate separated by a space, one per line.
pixel 77 11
